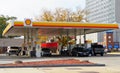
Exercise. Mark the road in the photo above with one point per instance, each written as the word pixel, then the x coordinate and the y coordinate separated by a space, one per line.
pixel 112 61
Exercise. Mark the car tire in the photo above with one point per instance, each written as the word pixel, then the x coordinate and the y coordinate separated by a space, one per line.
pixel 89 54
pixel 49 55
pixel 17 54
pixel 101 54
pixel 95 54
pixel 73 55
pixel 77 55
pixel 8 54
pixel 41 54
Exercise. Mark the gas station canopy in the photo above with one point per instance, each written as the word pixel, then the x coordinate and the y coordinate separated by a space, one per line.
pixel 55 28
pixel 31 30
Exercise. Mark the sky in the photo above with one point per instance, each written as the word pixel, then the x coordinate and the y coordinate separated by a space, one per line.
pixel 32 8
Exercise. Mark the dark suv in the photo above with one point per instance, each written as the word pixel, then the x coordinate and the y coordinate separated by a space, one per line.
pixel 81 51
pixel 98 49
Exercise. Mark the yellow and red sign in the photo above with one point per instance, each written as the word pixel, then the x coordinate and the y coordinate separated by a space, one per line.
pixel 28 22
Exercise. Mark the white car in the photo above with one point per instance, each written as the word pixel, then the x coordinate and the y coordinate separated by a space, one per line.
pixel 13 50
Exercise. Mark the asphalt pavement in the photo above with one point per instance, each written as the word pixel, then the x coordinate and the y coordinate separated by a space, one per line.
pixel 112 61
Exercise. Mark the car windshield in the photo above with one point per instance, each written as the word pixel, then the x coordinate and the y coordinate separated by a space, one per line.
pixel 84 50
pixel 14 47
pixel 45 49
pixel 97 46
pixel 80 49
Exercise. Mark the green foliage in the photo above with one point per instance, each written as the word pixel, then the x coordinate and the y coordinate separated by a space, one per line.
pixel 3 23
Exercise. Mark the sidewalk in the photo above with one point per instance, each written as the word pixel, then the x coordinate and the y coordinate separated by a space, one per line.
pixel 114 53
pixel 113 67
pixel 59 70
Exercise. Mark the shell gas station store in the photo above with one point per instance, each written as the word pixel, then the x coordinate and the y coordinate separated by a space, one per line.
pixel 35 33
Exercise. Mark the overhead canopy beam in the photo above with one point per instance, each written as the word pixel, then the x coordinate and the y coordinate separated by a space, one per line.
pixel 54 28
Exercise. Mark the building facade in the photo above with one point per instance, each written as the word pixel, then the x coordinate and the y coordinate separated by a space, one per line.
pixel 104 11
pixel 101 11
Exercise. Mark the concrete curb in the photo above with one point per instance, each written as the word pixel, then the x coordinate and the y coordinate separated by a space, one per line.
pixel 59 65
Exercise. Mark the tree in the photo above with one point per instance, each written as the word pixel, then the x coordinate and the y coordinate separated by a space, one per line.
pixel 45 16
pixel 3 23
pixel 64 15
pixel 78 16
pixel 61 14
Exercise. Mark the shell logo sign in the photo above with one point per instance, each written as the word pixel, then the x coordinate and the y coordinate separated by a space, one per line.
pixel 28 22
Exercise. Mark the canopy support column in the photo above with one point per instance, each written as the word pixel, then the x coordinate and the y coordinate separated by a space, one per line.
pixel 29 44
pixel 84 38
pixel 28 41
pixel 32 45
pixel 67 37
pixel 75 35
pixel 24 46
pixel 38 46
pixel 80 37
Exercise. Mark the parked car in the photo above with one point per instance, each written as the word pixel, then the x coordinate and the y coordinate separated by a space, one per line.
pixel 46 52
pixel 64 52
pixel 98 49
pixel 13 50
pixel 81 51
